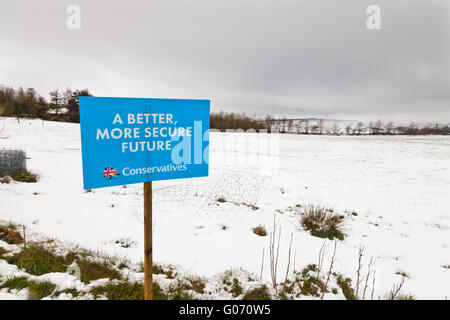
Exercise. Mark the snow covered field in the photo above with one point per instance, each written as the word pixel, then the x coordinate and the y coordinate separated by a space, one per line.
pixel 398 187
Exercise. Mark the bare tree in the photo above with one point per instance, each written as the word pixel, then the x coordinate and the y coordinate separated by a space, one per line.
pixel 274 253
pixel 359 127
pixel 289 125
pixel 367 278
pixel 298 126
pixel 389 127
pixel 321 256
pixel 262 264
pixel 321 125
pixel 348 129
pixel 56 100
pixel 437 128
pixel 289 259
pixel 269 122
pixel 330 269
pixel 358 271
pixel 396 289
pixel 376 127
pixel 306 126
pixel 371 124
pixel 412 128
pixel 335 128
pixel 283 123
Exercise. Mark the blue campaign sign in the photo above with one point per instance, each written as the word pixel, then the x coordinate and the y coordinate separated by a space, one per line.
pixel 131 140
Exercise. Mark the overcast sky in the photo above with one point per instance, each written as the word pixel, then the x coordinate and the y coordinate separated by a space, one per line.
pixel 300 58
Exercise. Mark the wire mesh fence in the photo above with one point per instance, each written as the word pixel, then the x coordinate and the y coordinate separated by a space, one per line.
pixel 12 161
pixel 203 194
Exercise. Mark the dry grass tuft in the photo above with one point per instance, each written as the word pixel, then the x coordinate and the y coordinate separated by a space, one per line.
pixel 24 176
pixel 402 273
pixel 260 230
pixel 322 222
pixel 10 235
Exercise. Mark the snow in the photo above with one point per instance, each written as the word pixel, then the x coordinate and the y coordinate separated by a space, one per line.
pixel 58 111
pixel 399 187
pixel 14 294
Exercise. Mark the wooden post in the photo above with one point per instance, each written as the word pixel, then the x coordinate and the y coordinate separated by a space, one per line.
pixel 148 258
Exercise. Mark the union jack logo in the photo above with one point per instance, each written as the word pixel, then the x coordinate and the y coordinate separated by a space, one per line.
pixel 110 173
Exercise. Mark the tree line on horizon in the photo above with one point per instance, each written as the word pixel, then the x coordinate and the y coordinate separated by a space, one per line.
pixel 378 127
pixel 63 105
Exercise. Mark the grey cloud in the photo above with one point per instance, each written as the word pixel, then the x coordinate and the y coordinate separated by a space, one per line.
pixel 304 58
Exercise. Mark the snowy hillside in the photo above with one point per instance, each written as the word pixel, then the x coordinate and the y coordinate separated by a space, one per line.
pixel 392 192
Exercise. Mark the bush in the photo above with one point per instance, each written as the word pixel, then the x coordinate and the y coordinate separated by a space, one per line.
pixel 260 230
pixel 122 290
pixel 322 222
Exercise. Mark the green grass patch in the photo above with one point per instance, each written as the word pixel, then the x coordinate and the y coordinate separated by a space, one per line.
pixel 38 260
pixel 158 293
pixel 91 270
pixel 122 290
pixel 226 278
pixel 258 293
pixel 346 286
pixel 36 290
pixel 125 290
pixel 304 283
pixel 236 289
pixel 39 290
pixel 15 283
pixel 181 295
pixel 176 291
